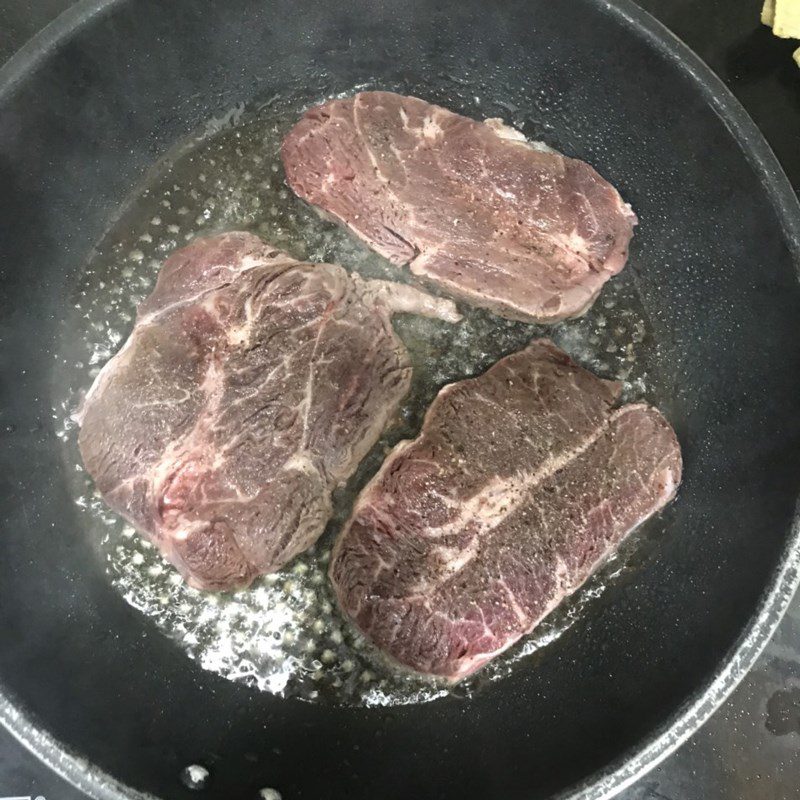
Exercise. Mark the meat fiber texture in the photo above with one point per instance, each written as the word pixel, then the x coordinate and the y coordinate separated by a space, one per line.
pixel 521 483
pixel 251 386
pixel 471 206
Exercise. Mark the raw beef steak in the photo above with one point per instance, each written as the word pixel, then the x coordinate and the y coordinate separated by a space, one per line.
pixel 471 206
pixel 252 384
pixel 522 481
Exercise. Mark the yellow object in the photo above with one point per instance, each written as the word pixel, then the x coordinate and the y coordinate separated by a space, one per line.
pixel 783 16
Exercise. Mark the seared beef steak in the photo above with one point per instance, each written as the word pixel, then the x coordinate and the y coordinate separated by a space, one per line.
pixel 522 481
pixel 471 206
pixel 252 384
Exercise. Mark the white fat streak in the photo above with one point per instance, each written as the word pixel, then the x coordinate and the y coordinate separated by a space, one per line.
pixel 241 335
pixel 504 194
pixel 402 299
pixel 670 485
pixel 498 499
pixel 505 131
pixel 431 129
pixel 572 242
pixel 301 462
pixel 513 135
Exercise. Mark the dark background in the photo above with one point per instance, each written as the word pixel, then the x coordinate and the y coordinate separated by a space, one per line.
pixel 750 749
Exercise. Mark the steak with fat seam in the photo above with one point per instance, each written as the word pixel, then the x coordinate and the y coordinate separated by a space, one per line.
pixel 522 481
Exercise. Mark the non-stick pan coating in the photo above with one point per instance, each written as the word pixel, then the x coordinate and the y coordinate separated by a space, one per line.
pixel 82 116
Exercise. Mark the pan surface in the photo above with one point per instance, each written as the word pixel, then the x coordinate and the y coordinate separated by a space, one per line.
pixel 107 90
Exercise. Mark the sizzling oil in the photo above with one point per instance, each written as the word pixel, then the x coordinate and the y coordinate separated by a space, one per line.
pixel 285 634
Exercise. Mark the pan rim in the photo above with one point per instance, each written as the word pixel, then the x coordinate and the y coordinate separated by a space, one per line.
pixel 785 582
pixel 606 783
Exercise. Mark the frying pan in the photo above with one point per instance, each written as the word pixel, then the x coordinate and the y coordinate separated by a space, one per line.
pixel 90 684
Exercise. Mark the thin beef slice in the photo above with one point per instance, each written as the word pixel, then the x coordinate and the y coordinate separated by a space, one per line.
pixel 471 206
pixel 251 386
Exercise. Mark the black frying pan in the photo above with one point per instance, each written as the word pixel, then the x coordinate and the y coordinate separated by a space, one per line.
pixel 86 680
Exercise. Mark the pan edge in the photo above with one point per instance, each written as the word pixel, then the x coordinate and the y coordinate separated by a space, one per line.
pixel 608 783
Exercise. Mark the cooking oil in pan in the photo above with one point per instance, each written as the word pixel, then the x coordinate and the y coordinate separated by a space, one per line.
pixel 285 634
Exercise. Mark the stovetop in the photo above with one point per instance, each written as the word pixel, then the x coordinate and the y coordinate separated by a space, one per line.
pixel 750 749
